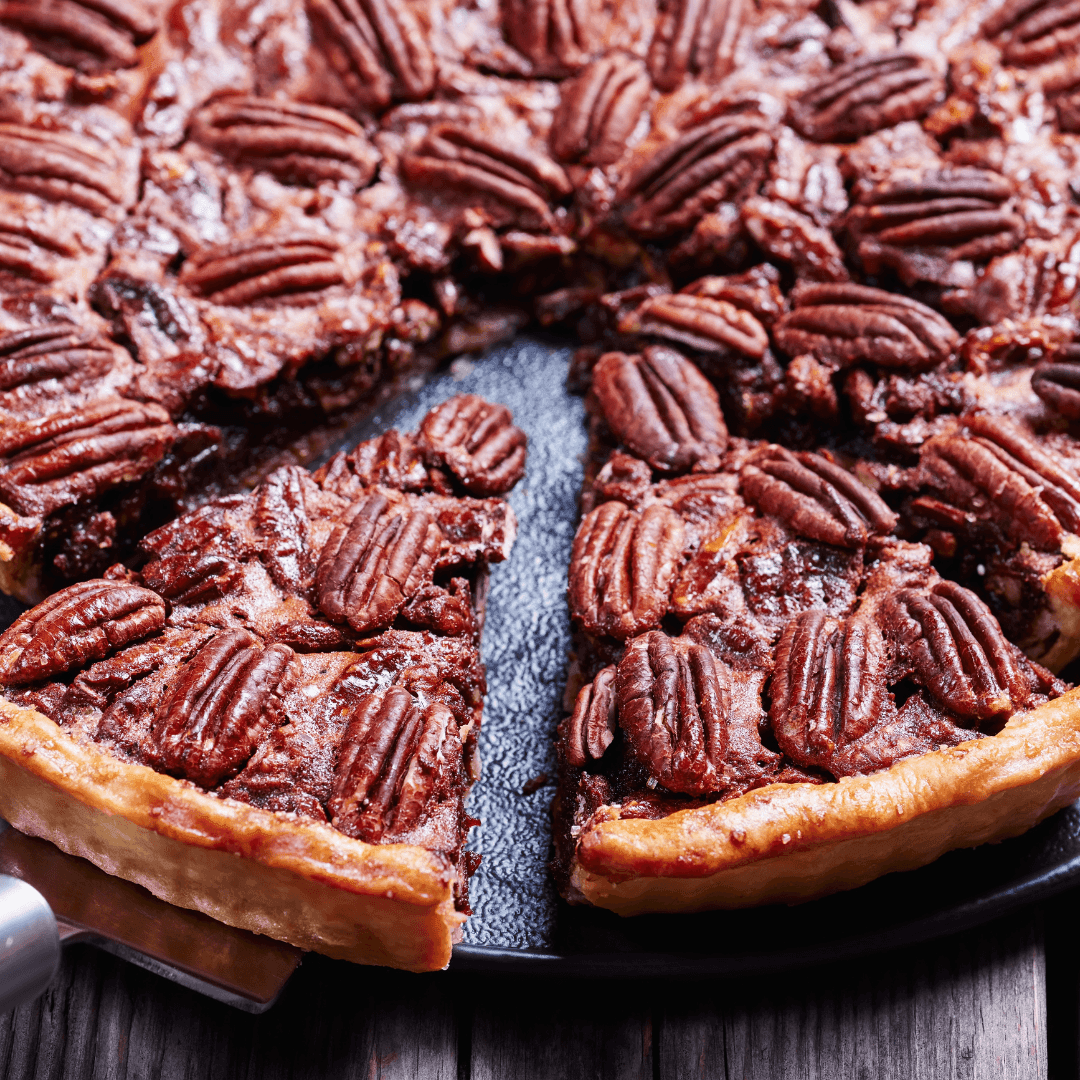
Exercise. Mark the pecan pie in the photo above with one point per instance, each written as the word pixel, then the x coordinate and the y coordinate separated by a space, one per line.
pixel 821 263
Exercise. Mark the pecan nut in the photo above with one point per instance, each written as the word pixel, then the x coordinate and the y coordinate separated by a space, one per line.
pixel 284 529
pixel 76 626
pixel 622 568
pixel 794 238
pixel 757 291
pixel 843 324
pixel 556 35
pixel 395 761
pixel 60 351
pixel 77 455
pixel 377 557
pixel 523 181
pixel 828 687
pixel 815 497
pixel 30 251
pixel 377 49
pixel 89 35
pixel 222 706
pixel 1057 382
pixel 392 459
pixel 591 728
pixel 661 407
pixel 599 110
pixel 1034 32
pixel 263 268
pixel 59 166
pixel 297 143
pixel 197 576
pixel 676 706
pixel 957 650
pixel 917 728
pixel 723 160
pixel 940 216
pixel 866 95
pixel 702 322
pixel 998 470
pixel 477 442
pixel 695 39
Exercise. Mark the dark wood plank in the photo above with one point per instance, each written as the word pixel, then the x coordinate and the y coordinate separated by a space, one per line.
pixel 540 1029
pixel 104 1019
pixel 969 1006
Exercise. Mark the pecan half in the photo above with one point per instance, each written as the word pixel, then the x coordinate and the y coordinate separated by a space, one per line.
pixel 843 324
pixel 998 469
pixel 675 704
pixel 377 48
pixel 599 110
pixel 702 322
pixel 660 406
pixel 478 443
pixel 32 252
pixel 59 167
pixel 556 35
pixel 815 497
pixel 263 268
pixel 916 728
pixel 723 160
pixel 524 181
pixel 76 626
pixel 793 237
pixel 297 143
pixel 76 455
pixel 828 687
pixel 694 38
pixel 392 460
pixel 1058 382
pixel 943 214
pixel 377 557
pixel 622 568
pixel 866 95
pixel 198 576
pixel 284 529
pixel 395 761
pixel 591 728
pixel 221 707
pixel 90 35
pixel 957 650
pixel 1035 32
pixel 55 351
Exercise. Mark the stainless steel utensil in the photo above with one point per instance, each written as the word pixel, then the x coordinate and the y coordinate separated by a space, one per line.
pixel 49 899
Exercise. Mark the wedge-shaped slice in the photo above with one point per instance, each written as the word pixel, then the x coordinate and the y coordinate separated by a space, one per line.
pixel 275 720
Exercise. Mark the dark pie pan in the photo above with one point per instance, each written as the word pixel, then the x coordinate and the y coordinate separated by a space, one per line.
pixel 519 923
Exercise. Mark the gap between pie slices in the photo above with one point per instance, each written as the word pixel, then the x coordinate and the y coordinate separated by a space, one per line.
pixel 811 649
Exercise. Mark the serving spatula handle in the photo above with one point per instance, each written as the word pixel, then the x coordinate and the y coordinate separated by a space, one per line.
pixel 29 943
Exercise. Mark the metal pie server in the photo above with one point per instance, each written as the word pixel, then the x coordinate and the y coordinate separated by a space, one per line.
pixel 49 899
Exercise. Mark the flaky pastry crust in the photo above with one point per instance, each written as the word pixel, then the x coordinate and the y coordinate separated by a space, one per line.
pixel 298 881
pixel 787 843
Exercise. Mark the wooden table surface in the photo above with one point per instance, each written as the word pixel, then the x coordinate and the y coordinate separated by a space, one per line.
pixel 998 1001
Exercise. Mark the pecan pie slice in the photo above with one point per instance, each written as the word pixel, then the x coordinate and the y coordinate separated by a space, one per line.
pixel 274 719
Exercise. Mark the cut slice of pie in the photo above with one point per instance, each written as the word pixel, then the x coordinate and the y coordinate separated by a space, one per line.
pixel 274 720
pixel 781 698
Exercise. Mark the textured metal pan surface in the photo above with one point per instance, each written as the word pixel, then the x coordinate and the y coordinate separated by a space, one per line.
pixel 519 923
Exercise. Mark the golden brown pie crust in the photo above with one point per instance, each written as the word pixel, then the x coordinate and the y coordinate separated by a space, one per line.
pixel 299 881
pixel 787 843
